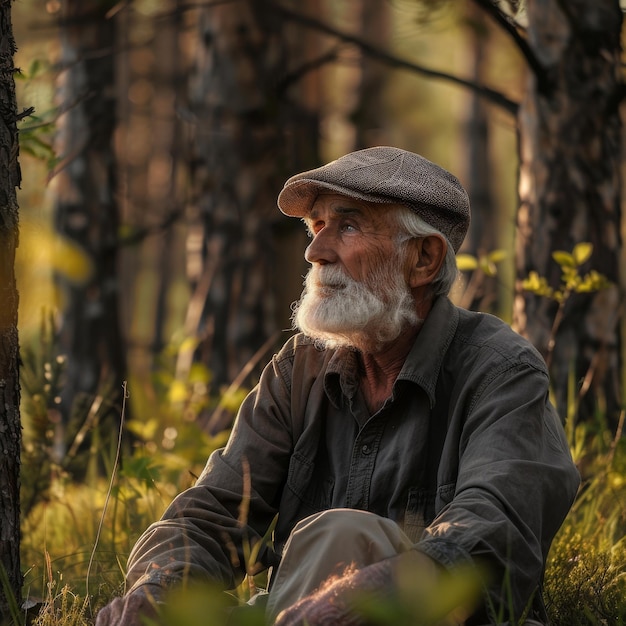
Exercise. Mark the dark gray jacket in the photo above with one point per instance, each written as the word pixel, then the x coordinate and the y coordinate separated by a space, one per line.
pixel 468 456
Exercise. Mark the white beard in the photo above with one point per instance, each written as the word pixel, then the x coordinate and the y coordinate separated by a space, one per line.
pixel 336 310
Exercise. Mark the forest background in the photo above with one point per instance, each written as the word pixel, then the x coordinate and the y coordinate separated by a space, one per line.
pixel 155 273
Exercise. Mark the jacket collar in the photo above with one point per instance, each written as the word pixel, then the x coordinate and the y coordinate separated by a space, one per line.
pixel 421 366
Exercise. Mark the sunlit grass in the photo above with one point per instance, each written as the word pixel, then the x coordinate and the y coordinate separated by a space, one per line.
pixel 74 549
pixel 585 579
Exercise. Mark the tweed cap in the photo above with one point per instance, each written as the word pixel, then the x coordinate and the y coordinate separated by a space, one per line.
pixel 386 175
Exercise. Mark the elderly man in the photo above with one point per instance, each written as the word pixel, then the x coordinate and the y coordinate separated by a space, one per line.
pixel 395 433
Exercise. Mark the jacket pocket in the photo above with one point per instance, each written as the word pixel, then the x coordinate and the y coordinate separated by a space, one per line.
pixel 313 491
pixel 422 507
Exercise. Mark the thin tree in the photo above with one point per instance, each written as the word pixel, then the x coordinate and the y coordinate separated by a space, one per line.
pixel 86 208
pixel 10 430
pixel 569 186
pixel 369 115
pixel 250 131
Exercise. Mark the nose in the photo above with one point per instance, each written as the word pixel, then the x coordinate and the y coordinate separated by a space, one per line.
pixel 321 249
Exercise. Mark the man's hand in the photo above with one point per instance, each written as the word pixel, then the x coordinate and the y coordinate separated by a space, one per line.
pixel 344 600
pixel 337 601
pixel 130 610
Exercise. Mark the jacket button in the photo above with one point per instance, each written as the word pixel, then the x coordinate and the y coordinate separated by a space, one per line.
pixel 366 449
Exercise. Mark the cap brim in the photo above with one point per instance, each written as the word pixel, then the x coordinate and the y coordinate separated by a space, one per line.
pixel 297 198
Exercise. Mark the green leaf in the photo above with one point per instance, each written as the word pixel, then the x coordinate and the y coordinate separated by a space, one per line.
pixel 34 68
pixel 564 259
pixel 144 469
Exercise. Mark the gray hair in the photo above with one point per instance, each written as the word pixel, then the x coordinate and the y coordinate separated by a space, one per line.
pixel 413 226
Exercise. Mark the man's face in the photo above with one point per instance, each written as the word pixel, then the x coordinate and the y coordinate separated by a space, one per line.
pixel 355 292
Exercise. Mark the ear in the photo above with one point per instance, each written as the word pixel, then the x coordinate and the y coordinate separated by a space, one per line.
pixel 425 257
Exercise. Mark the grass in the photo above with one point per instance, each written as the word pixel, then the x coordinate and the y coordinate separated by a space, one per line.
pixel 585 577
pixel 78 527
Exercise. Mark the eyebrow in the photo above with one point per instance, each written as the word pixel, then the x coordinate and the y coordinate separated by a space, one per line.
pixel 339 210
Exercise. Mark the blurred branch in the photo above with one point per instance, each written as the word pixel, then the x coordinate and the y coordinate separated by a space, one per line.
pixel 511 28
pixel 64 108
pixel 143 233
pixel 25 113
pixel 220 418
pixel 305 68
pixel 493 96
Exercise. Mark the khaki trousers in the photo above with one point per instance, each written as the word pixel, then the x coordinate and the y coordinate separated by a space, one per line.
pixel 325 544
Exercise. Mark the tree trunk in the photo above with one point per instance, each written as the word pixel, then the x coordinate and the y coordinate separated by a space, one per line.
pixel 369 117
pixel 570 193
pixel 483 236
pixel 10 430
pixel 86 208
pixel 248 138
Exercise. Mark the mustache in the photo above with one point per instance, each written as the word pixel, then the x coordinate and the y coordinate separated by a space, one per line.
pixel 327 276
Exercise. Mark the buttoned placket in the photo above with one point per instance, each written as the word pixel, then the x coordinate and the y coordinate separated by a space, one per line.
pixel 364 453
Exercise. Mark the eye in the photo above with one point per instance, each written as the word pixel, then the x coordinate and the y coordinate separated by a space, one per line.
pixel 313 227
pixel 348 227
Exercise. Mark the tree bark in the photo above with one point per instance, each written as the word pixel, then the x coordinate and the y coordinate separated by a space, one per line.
pixel 10 430
pixel 483 236
pixel 570 193
pixel 369 117
pixel 86 209
pixel 250 135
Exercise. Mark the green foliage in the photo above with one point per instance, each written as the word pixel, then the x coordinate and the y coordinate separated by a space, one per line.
pixel 586 584
pixel 41 376
pixel 485 263
pixel 191 604
pixel 572 281
pixel 53 451
pixel 66 523
pixel 483 269
pixel 35 142
pixel 7 592
pixel 36 136
pixel 586 571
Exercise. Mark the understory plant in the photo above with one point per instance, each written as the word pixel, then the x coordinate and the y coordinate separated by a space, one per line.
pixel 585 582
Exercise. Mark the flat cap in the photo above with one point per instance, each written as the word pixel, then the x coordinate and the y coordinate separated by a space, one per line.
pixel 384 174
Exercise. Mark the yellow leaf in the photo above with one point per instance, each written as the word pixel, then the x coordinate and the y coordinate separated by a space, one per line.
pixel 582 252
pixel 199 372
pixel 41 247
pixel 496 256
pixel 532 282
pixel 71 261
pixel 487 267
pixel 188 344
pixel 178 392
pixel 143 429
pixel 466 262
pixel 564 259
pixel 231 400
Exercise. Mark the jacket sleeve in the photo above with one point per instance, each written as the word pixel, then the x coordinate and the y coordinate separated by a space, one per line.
pixel 205 531
pixel 515 481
